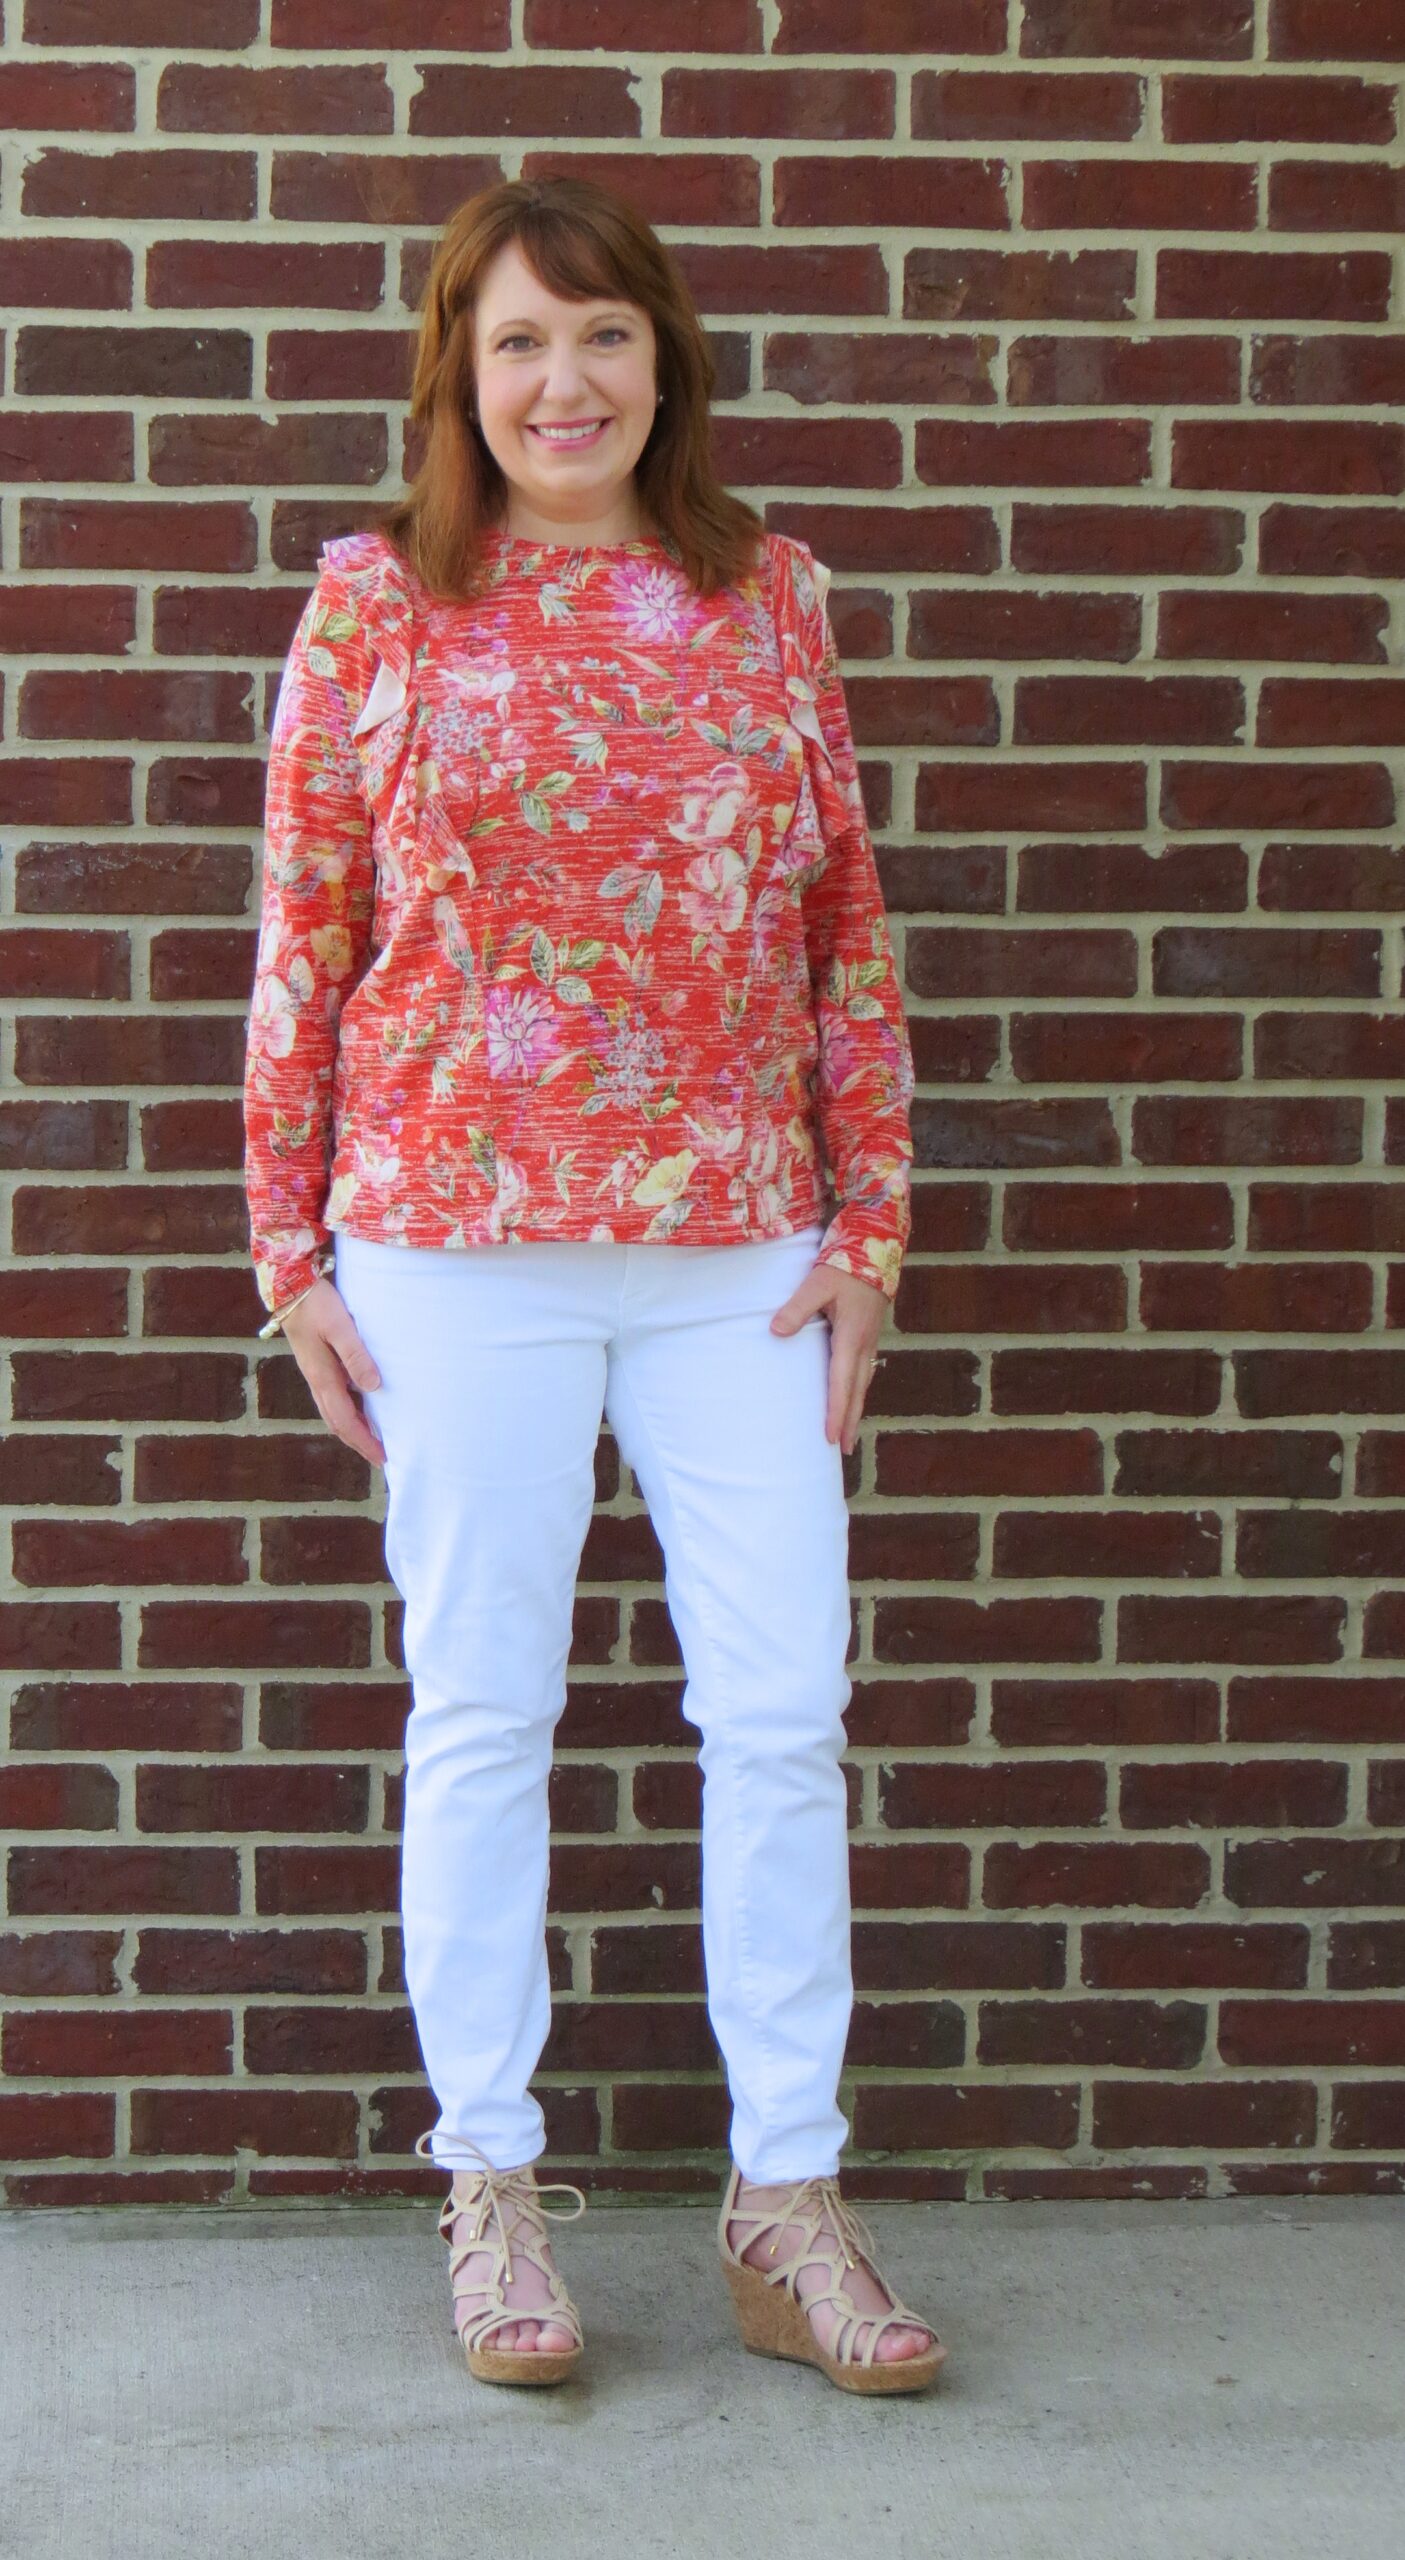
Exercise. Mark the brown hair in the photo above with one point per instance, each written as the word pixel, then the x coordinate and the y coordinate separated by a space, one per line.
pixel 580 239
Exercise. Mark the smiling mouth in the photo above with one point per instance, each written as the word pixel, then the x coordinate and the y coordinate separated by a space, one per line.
pixel 579 431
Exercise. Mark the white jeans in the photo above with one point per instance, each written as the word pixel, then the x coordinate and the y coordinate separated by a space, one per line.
pixel 496 1363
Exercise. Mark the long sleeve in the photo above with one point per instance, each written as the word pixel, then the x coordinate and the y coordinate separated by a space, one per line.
pixel 865 1080
pixel 314 942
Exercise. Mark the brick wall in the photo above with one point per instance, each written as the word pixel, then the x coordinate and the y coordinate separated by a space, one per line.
pixel 1077 352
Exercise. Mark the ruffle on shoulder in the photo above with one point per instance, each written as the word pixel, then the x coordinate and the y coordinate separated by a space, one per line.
pixel 801 583
pixel 379 590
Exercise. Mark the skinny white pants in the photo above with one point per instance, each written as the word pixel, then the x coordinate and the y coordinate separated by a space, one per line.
pixel 496 1363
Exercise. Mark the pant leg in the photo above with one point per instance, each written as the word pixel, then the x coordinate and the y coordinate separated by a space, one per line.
pixel 492 1363
pixel 723 1424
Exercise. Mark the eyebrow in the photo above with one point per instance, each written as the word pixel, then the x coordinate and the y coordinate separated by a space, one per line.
pixel 610 311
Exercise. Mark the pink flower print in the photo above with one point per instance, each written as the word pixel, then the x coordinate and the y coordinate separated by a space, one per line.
pixel 521 1032
pixel 715 900
pixel 655 600
pixel 840 1049
pixel 710 814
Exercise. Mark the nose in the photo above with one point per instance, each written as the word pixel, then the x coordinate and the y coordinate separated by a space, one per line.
pixel 564 379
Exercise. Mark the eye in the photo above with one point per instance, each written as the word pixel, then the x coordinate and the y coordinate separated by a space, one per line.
pixel 519 337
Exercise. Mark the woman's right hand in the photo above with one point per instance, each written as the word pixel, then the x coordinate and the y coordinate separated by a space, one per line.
pixel 334 1360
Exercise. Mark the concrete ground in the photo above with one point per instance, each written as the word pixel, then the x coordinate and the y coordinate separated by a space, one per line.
pixel 1218 2381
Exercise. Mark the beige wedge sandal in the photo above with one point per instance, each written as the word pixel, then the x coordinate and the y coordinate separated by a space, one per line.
pixel 770 2315
pixel 511 2198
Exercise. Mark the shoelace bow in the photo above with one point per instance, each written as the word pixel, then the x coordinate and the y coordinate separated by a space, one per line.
pixel 490 2189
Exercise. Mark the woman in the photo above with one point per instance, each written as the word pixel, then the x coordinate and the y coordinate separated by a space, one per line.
pixel 573 991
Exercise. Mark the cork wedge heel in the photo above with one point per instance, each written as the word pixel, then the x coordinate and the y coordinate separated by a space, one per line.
pixel 770 2315
pixel 511 2200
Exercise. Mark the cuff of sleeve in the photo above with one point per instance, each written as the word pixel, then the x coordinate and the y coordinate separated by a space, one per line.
pixel 310 1272
pixel 874 1254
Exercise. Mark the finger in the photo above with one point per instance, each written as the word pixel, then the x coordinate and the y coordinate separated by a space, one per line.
pixel 343 1417
pixel 843 1376
pixel 342 1337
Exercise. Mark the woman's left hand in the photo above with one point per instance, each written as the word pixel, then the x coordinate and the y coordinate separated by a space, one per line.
pixel 857 1313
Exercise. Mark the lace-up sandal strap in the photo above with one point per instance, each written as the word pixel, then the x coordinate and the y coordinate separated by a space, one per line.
pixel 489 2191
pixel 807 2203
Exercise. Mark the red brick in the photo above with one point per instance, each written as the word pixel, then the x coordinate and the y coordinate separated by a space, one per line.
pixel 205 24
pixel 1333 542
pixel 1278 1297
pixel 1202 1955
pixel 332 25
pixel 267 1635
pixel 1267 106
pixel 1019 960
pixel 1332 1708
pixel 1198 622
pixel 1104 1381
pixel 1271 1382
pixel 1326 1046
pixel 1230 1461
pixel 1288 453
pixel 1246 1129
pixel 1133 1048
pixel 874 189
pixel 33 961
pixel 1368 2115
pixel 259 275
pixel 1264 284
pixel 129 1552
pixel 1029 454
pixel 1354 878
pixel 1086 373
pixel 1014 1132
pixel 1210 1795
pixel 1314 1873
pixel 1150 542
pixel 925 1629
pixel 1103 879
pixel 885 26
pixel 1329 371
pixel 1216 30
pixel 1254 794
pixel 1149 2035
pixel 983 623
pixel 312 2123
pixel 66 271
pixel 44 1964
pixel 868 368
pixel 70 2125
pixel 1267 960
pixel 1230 1627
pixel 1082 1544
pixel 974 1298
pixel 192 97
pixel 1380 1463
pixel 124 1880
pixel 1124 711
pixel 1095 1875
pixel 1320 1545
pixel 971 799
pixel 208 363
pixel 1349 712
pixel 1336 195
pixel 1366 1956
pixel 834 106
pixel 1336 31
pixel 54 97
pixel 140 185
pixel 1031 106
pixel 1130 2115
pixel 1115 1217
pixel 954 1463
pixel 961 541
pixel 91 2044
pixel 1139 195
pixel 1111 1712
pixel 1019 284
pixel 1014 1795
pixel 37 1467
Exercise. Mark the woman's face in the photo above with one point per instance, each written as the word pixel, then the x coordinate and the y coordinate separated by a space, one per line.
pixel 542 362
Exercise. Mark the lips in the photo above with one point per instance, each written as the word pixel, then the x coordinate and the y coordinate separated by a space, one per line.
pixel 596 426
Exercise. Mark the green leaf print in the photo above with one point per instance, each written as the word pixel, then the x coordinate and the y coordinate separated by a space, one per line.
pixel 543 956
pixel 643 911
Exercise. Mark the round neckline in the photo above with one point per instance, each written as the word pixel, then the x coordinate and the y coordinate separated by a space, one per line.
pixel 535 542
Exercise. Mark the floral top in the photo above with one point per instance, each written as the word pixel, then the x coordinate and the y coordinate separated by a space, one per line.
pixel 571 922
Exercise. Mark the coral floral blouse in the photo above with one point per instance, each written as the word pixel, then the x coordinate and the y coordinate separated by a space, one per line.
pixel 571 923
